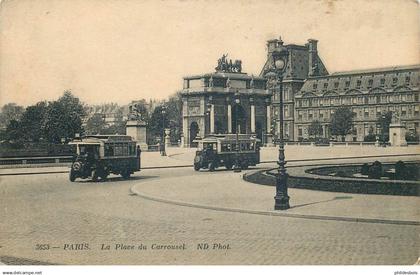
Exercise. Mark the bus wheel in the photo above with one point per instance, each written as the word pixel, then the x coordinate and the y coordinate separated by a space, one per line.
pixel 196 166
pixel 228 165
pixel 244 165
pixel 211 166
pixel 104 176
pixel 125 174
pixel 72 176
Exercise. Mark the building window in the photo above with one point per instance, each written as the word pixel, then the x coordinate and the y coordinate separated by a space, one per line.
pixel 359 82
pixel 335 85
pixel 382 82
pixel 310 117
pixel 347 83
pixel 403 111
pixel 314 86
pixel 366 113
pixel 407 80
pixel 394 81
pixel 370 83
pixel 366 100
pixel 321 115
pixel 416 97
pixel 383 99
pixel 299 131
pixel 409 97
pixel 326 85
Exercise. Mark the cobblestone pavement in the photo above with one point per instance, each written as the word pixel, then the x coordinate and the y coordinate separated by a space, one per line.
pixel 48 209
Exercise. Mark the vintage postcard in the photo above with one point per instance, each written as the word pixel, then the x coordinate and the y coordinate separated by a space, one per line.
pixel 209 133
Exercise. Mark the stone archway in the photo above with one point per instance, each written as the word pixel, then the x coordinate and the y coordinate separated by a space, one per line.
pixel 239 114
pixel 194 129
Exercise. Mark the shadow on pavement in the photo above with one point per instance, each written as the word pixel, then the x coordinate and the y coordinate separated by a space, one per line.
pixel 114 179
pixel 317 202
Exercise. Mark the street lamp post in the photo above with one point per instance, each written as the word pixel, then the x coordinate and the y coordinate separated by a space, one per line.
pixel 281 200
pixel 208 116
pixel 383 129
pixel 163 152
pixel 237 164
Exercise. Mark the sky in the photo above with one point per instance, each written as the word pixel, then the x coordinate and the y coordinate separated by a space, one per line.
pixel 123 50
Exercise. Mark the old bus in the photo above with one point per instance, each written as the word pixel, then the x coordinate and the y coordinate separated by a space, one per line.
pixel 97 156
pixel 220 150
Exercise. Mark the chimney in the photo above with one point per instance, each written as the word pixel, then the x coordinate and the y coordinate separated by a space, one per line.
pixel 313 54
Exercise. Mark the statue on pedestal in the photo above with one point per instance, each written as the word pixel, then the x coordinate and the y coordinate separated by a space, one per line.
pixel 211 82
pixel 136 127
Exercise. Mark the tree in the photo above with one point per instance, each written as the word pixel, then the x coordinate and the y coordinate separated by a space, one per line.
pixel 31 123
pixel 412 136
pixel 157 119
pixel 95 124
pixel 315 129
pixel 342 121
pixel 371 136
pixel 64 118
pixel 14 133
pixel 172 118
pixel 9 112
pixel 174 110
pixel 384 121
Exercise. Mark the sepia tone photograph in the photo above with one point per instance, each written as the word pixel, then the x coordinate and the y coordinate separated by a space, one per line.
pixel 202 132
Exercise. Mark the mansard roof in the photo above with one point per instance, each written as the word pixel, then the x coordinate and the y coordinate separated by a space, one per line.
pixel 379 70
pixel 401 78
pixel 297 66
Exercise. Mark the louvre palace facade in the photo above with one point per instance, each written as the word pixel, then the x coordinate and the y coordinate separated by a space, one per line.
pixel 214 103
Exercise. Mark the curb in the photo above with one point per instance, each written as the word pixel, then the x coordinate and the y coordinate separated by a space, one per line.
pixel 33 173
pixel 186 166
pixel 271 213
pixel 64 172
pixel 356 157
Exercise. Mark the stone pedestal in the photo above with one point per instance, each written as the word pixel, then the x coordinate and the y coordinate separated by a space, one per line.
pixel 269 140
pixel 137 130
pixel 397 134
pixel 167 137
pixel 182 141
